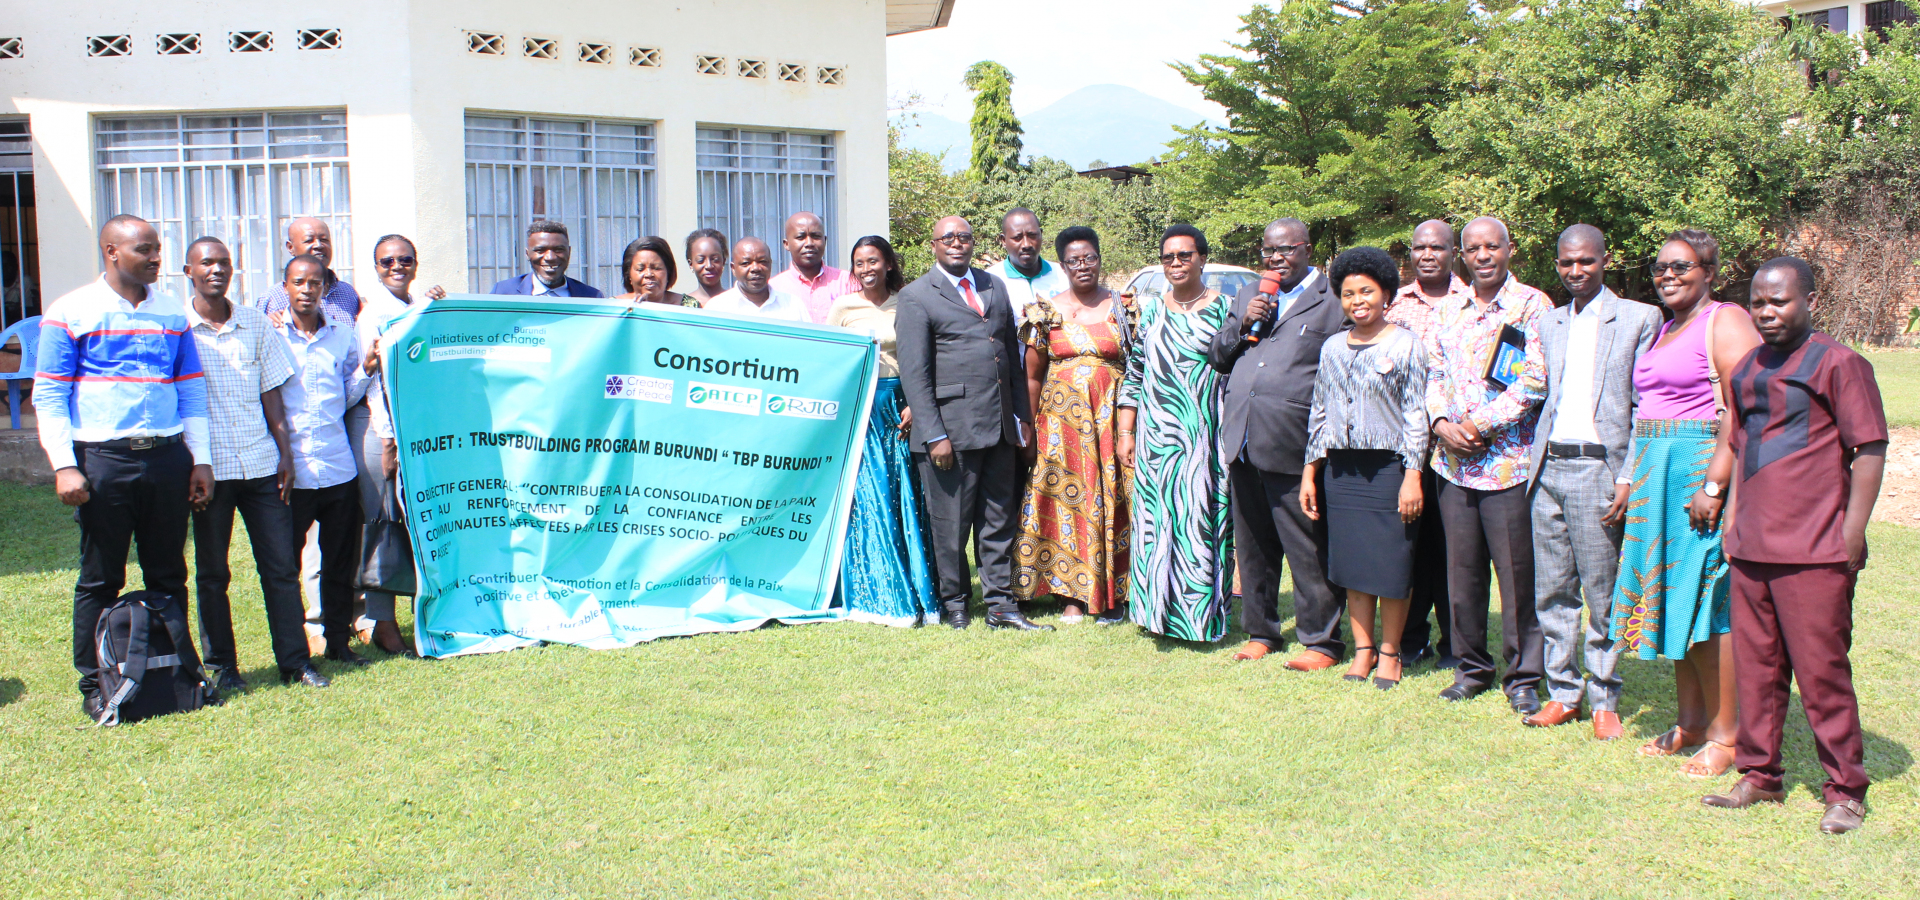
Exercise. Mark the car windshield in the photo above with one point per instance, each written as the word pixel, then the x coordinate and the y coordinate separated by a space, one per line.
pixel 1229 283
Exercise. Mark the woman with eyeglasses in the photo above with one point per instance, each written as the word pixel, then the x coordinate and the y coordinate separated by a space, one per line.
pixel 886 574
pixel 647 271
pixel 370 425
pixel 1671 597
pixel 707 257
pixel 1073 521
pixel 1169 433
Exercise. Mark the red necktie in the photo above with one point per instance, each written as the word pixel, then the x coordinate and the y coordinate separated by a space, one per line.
pixel 966 287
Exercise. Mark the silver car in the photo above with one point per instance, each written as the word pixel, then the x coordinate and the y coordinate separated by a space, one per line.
pixel 1226 279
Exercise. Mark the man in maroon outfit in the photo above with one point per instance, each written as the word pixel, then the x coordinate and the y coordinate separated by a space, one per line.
pixel 1807 451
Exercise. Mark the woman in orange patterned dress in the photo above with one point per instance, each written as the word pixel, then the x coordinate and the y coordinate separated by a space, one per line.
pixel 1073 524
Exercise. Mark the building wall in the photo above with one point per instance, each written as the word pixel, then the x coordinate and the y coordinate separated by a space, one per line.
pixel 406 79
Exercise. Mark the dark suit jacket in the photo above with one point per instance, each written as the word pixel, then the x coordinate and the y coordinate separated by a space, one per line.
pixel 523 285
pixel 1270 384
pixel 960 370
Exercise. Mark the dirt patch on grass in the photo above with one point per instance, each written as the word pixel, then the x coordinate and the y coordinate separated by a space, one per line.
pixel 1900 492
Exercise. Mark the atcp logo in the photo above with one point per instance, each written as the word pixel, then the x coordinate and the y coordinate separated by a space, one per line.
pixel 697 395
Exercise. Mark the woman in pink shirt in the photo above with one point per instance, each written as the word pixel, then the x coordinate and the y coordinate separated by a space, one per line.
pixel 1671 597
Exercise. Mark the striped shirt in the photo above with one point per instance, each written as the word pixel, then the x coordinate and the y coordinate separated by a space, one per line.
pixel 109 370
pixel 243 359
pixel 342 302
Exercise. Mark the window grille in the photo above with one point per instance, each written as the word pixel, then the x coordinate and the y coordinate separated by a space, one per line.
pixel 594 176
pixel 598 54
pixel 110 45
pixel 486 44
pixel 540 48
pixel 749 182
pixel 250 41
pixel 10 48
pixel 753 68
pixel 710 65
pixel 833 75
pixel 793 72
pixel 177 44
pixel 240 177
pixel 644 56
pixel 319 38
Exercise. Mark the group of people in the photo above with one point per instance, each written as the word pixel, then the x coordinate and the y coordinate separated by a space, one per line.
pixel 1398 448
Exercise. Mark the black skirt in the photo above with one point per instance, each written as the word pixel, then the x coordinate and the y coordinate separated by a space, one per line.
pixel 1368 548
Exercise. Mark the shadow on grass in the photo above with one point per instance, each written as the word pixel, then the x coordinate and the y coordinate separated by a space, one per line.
pixel 11 689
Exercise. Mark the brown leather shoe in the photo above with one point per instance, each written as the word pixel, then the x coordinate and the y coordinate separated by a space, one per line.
pixel 1252 650
pixel 1311 661
pixel 1843 817
pixel 1554 713
pixel 1743 795
pixel 1606 725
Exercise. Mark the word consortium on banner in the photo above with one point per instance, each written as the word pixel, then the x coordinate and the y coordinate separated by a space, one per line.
pixel 597 474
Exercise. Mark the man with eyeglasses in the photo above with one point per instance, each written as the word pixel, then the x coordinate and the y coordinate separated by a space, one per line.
pixel 1485 428
pixel 1269 348
pixel 1027 275
pixel 958 367
pixel 308 236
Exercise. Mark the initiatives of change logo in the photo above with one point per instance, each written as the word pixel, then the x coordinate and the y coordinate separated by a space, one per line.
pixel 725 398
pixel 802 407
pixel 639 387
pixel 415 347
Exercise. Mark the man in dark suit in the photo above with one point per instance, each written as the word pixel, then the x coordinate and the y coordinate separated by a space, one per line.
pixel 958 367
pixel 1269 393
pixel 548 252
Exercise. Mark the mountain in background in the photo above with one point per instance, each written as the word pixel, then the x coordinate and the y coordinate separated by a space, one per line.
pixel 1108 123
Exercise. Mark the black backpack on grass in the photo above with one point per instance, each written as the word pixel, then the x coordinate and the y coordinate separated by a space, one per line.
pixel 147 664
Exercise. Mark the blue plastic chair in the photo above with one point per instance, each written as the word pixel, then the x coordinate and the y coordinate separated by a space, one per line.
pixel 28 331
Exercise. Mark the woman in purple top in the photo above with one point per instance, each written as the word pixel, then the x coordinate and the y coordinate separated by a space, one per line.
pixel 1671 596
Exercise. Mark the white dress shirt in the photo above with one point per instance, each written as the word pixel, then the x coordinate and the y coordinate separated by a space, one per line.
pixel 778 306
pixel 1573 417
pixel 327 381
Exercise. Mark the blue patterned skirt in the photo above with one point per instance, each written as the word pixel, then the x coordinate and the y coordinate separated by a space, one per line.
pixel 1672 589
pixel 886 573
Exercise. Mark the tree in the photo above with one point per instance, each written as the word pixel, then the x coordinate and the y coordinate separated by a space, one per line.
pixel 996 130
pixel 1128 217
pixel 1638 118
pixel 1328 120
pixel 919 192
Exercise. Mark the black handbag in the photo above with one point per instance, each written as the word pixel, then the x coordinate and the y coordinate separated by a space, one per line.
pixel 386 551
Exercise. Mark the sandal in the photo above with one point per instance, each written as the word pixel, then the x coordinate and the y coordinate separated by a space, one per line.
pixel 1386 684
pixel 1670 742
pixel 1356 656
pixel 1695 769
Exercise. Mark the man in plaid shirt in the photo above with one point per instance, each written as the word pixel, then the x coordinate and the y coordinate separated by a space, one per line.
pixel 245 363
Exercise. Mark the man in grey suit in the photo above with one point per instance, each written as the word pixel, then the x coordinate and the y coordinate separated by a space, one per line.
pixel 1581 480
pixel 959 369
pixel 1270 379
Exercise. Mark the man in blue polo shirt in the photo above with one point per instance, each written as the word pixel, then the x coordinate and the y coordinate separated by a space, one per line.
pixel 122 409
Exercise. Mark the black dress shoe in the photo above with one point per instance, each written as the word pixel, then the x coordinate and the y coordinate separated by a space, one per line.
pixel 958 619
pixel 93 706
pixel 1458 692
pixel 307 675
pixel 344 655
pixel 1525 701
pixel 228 682
pixel 1015 620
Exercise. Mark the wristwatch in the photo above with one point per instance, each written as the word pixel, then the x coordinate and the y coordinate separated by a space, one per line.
pixel 1712 489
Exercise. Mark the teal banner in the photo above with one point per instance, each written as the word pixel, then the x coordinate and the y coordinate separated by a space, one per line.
pixel 599 474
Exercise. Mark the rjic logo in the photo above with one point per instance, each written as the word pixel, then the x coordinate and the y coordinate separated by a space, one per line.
pixel 802 407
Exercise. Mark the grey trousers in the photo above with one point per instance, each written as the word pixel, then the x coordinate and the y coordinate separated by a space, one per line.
pixel 1574 557
pixel 367 446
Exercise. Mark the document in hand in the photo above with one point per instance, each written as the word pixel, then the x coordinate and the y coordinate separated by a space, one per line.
pixel 1509 356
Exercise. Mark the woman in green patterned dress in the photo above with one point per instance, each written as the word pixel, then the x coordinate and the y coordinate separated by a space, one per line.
pixel 1169 427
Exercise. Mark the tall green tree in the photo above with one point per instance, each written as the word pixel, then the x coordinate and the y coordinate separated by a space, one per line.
pixel 1639 118
pixel 996 130
pixel 919 192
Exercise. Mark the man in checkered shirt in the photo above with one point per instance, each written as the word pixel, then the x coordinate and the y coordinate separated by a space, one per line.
pixel 245 363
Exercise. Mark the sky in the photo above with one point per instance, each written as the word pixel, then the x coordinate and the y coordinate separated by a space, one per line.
pixel 1054 48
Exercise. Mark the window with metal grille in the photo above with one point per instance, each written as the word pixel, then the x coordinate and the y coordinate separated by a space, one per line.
pixel 749 182
pixel 110 45
pixel 593 175
pixel 753 68
pixel 1886 14
pixel 319 38
pixel 793 72
pixel 598 54
pixel 19 226
pixel 177 44
pixel 644 56
pixel 540 48
pixel 486 44
pixel 250 41
pixel 11 48
pixel 710 65
pixel 834 75
pixel 240 177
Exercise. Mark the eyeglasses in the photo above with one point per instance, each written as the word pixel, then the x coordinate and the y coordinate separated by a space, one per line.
pixel 956 239
pixel 1082 262
pixel 1679 267
pixel 1185 256
pixel 1280 250
pixel 388 262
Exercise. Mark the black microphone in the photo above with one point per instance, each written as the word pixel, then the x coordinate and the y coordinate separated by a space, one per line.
pixel 1269 286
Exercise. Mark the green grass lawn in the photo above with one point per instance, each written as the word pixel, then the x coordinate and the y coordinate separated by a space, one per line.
pixel 1898 372
pixel 854 760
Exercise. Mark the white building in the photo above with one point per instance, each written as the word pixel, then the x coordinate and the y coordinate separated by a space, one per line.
pixel 454 123
pixel 1854 18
